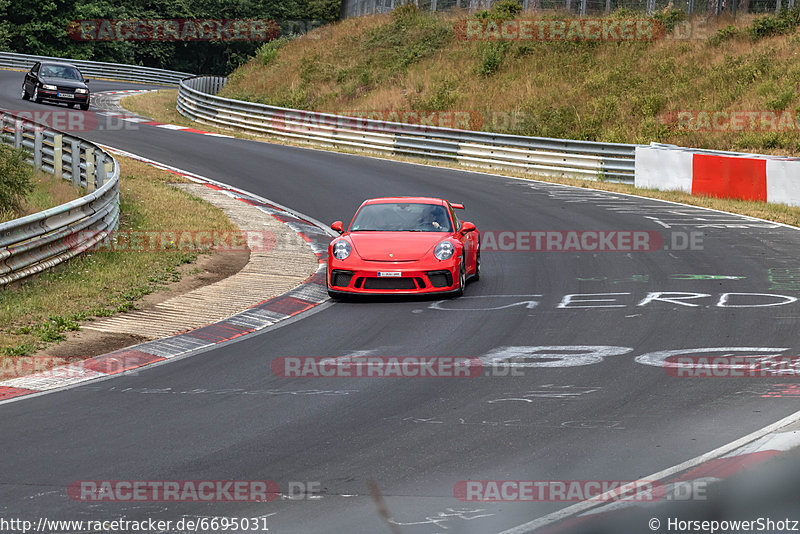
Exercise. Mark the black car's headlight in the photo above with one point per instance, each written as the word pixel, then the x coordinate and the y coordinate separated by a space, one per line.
pixel 49 87
pixel 444 250
pixel 82 91
pixel 341 250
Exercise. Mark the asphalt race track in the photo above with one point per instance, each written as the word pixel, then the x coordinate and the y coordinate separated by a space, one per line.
pixel 223 415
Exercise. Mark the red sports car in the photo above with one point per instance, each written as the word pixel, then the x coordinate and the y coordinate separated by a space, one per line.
pixel 403 245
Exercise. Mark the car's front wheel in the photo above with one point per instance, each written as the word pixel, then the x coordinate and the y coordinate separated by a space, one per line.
pixel 462 278
pixel 477 274
pixel 36 97
pixel 25 93
pixel 85 106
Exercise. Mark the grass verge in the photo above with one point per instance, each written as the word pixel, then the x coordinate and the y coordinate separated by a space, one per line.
pixel 38 311
pixel 48 192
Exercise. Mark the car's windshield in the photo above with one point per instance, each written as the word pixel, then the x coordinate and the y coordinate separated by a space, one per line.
pixel 402 217
pixel 60 71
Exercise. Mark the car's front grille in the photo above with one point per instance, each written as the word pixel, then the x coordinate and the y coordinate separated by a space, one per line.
pixel 440 278
pixel 389 283
pixel 66 89
pixel 341 278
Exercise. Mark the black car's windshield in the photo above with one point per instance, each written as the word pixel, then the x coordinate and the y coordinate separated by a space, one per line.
pixel 60 71
pixel 402 217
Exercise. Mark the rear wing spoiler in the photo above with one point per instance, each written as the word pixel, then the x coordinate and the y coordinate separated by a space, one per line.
pixel 457 206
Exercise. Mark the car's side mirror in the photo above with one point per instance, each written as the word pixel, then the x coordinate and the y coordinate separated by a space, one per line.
pixel 86 80
pixel 338 227
pixel 467 227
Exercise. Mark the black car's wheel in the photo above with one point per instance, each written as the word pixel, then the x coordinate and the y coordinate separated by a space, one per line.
pixel 25 93
pixel 36 97
pixel 85 106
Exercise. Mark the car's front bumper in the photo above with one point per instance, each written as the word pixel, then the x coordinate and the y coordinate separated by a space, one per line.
pixel 53 96
pixel 408 278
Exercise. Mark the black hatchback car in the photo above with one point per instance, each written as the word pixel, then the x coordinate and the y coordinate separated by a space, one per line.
pixel 57 82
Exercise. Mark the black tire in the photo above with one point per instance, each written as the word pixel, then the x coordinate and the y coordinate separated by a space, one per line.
pixel 84 107
pixel 462 278
pixel 25 95
pixel 36 97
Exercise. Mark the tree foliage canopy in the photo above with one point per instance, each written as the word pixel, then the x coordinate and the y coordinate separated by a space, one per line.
pixel 41 27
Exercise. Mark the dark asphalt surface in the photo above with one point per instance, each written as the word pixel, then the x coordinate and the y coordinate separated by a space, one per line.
pixel 223 415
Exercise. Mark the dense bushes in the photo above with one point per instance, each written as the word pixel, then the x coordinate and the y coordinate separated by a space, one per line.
pixel 16 178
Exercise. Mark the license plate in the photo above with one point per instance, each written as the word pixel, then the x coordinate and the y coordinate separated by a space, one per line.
pixel 389 273
pixel 66 95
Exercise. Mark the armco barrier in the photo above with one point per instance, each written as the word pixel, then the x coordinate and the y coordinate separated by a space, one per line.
pixel 773 179
pixel 97 69
pixel 197 100
pixel 39 241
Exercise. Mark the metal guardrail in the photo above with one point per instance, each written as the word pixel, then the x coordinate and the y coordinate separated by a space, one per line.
pixel 97 69
pixel 197 100
pixel 42 240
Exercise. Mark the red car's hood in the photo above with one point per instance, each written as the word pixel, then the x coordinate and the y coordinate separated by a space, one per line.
pixel 403 246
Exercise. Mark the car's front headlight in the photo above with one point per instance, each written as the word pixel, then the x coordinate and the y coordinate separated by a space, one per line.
pixel 49 87
pixel 444 250
pixel 341 250
pixel 82 91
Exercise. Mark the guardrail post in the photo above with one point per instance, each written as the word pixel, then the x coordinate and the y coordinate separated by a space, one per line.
pixel 99 170
pixel 89 155
pixel 108 168
pixel 19 126
pixel 38 134
pixel 58 156
pixel 75 149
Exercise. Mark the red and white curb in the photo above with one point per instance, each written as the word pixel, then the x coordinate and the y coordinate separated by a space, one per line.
pixel 109 102
pixel 125 92
pixel 304 297
pixel 714 466
pixel 148 122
